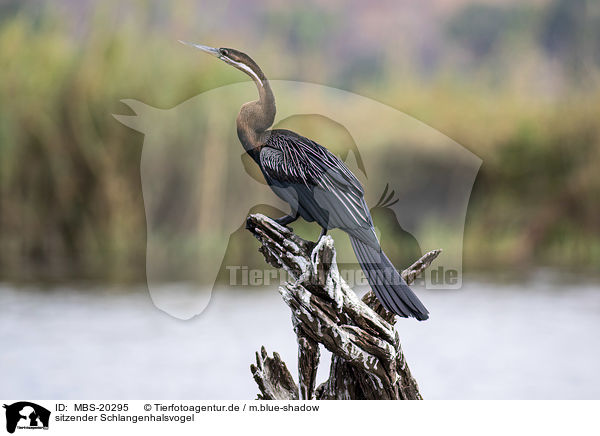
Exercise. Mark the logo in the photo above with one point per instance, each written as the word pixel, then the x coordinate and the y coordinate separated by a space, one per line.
pixel 26 415
pixel 199 185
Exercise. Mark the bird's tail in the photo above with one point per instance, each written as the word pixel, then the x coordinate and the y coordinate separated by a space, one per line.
pixel 390 288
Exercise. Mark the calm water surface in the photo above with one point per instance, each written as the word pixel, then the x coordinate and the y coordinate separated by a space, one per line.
pixel 488 341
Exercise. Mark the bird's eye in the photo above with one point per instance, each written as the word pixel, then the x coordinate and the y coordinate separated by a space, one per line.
pixel 223 51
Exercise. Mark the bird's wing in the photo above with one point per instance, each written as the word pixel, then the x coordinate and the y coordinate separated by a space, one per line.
pixel 322 180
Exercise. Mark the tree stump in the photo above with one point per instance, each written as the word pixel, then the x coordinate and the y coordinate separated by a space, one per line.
pixel 367 359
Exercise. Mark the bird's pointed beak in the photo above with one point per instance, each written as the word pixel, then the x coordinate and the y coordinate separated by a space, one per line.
pixel 204 48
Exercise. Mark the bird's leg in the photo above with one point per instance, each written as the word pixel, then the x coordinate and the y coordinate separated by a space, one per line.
pixel 287 219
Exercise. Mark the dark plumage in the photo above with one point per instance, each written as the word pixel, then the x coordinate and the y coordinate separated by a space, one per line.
pixel 318 187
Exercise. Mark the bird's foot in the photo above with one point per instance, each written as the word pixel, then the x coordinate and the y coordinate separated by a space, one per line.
pixel 285 220
pixel 323 233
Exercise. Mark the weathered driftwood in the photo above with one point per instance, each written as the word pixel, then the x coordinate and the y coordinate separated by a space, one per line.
pixel 367 361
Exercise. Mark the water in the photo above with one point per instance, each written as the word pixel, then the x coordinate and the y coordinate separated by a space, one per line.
pixel 487 341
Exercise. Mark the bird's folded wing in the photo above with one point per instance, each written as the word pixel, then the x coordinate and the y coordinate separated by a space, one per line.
pixel 322 181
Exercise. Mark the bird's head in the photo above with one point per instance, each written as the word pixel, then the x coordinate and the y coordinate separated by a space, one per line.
pixel 235 58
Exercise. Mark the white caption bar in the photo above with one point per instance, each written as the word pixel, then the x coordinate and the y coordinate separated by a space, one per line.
pixel 150 417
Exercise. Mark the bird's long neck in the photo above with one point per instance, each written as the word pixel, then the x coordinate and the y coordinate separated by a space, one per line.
pixel 256 117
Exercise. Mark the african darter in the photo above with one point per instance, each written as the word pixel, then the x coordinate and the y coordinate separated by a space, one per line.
pixel 317 185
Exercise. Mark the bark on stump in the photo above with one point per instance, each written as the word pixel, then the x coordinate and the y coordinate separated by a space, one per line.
pixel 367 359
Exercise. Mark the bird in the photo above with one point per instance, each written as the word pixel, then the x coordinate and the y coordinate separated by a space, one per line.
pixel 316 184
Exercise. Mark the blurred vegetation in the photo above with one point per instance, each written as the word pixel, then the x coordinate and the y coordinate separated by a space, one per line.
pixel 516 84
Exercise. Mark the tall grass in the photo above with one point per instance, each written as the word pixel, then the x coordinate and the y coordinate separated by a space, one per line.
pixel 71 204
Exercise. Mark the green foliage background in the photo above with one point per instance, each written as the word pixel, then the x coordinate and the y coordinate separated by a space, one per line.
pixel 515 84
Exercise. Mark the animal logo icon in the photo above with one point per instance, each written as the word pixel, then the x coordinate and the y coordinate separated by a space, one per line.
pixel 26 415
pixel 197 192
